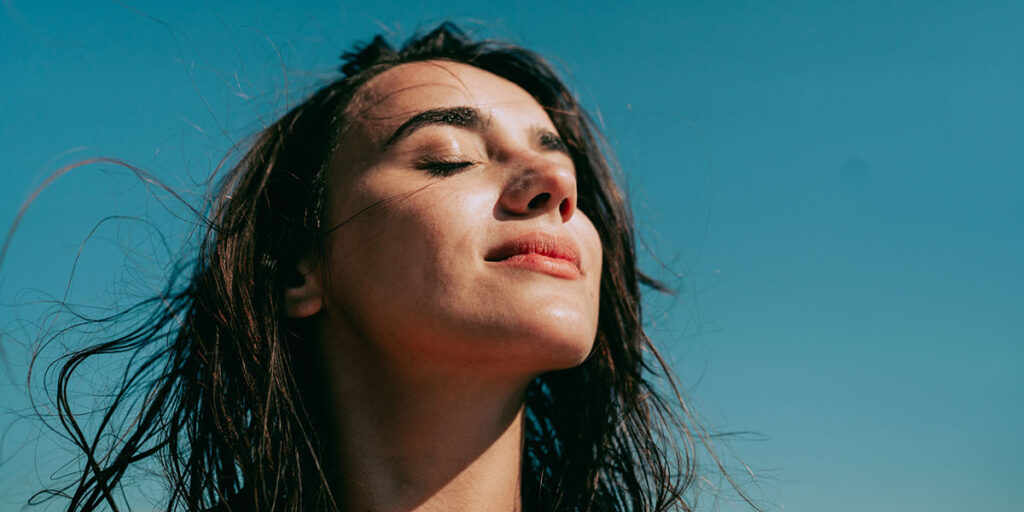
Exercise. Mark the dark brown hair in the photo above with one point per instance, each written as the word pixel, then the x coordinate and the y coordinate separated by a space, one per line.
pixel 225 410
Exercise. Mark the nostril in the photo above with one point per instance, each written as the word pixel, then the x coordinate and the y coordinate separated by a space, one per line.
pixel 539 201
pixel 563 207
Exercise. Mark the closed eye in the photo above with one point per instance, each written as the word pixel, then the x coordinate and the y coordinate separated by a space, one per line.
pixel 442 168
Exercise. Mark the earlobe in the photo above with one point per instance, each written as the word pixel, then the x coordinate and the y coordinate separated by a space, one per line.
pixel 303 295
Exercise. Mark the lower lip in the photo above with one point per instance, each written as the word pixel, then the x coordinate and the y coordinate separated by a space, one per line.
pixel 556 267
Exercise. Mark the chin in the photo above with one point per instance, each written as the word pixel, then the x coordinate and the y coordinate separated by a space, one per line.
pixel 558 339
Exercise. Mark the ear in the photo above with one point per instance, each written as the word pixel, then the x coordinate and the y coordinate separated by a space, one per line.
pixel 303 292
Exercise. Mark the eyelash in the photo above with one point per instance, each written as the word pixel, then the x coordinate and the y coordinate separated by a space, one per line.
pixel 442 168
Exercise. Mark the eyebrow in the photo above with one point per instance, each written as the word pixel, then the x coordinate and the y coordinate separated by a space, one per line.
pixel 550 140
pixel 471 118
pixel 463 117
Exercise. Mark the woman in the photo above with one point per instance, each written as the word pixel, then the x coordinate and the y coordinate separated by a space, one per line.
pixel 417 290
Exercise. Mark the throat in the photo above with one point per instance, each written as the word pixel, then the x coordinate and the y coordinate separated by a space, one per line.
pixel 454 449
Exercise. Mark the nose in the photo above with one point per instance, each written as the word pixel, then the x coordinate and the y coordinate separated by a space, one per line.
pixel 540 186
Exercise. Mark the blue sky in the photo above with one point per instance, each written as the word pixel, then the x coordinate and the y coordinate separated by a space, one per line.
pixel 836 190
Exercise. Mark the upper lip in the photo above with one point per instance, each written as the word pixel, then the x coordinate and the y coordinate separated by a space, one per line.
pixel 540 242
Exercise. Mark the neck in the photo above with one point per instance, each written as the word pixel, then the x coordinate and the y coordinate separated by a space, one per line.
pixel 431 441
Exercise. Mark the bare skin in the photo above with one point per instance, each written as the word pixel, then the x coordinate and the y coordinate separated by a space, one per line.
pixel 471 273
pixel 427 442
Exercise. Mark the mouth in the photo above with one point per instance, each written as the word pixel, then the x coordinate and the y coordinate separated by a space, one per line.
pixel 542 252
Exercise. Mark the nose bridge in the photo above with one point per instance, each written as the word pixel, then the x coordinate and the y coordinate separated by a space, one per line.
pixel 538 185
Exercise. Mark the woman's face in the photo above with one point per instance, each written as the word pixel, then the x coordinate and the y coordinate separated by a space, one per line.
pixel 456 234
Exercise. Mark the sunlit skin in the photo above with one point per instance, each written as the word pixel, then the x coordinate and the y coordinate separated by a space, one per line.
pixel 458 269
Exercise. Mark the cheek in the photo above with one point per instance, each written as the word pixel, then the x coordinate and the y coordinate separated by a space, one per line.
pixel 390 260
pixel 437 232
pixel 590 243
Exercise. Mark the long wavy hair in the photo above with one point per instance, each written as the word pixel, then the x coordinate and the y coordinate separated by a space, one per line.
pixel 229 396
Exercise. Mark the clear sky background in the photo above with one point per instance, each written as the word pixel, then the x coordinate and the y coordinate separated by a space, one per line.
pixel 835 188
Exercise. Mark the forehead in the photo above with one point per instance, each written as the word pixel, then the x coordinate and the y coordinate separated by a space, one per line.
pixel 407 89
